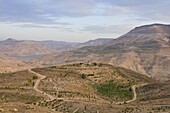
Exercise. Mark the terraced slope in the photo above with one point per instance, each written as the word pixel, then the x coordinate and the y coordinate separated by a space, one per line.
pixel 90 82
pixel 17 93
pixel 81 87
pixel 145 49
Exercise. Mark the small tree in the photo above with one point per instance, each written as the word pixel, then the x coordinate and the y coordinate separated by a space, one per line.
pixel 83 76
pixel 130 89
pixel 34 77
pixel 33 83
pixel 94 64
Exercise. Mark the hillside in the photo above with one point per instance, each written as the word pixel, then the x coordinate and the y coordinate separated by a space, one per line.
pixel 97 42
pixel 58 45
pixel 12 48
pixel 149 48
pixel 14 54
pixel 145 49
pixel 7 66
pixel 84 84
pixel 17 94
pixel 147 35
pixel 82 87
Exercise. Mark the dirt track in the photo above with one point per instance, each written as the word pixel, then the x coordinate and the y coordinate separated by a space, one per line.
pixel 134 94
pixel 41 77
pixel 37 82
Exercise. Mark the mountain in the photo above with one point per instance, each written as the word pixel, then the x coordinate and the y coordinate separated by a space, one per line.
pixel 12 47
pixel 12 50
pixel 139 81
pixel 58 45
pixel 97 42
pixel 145 49
pixel 149 50
pixel 148 35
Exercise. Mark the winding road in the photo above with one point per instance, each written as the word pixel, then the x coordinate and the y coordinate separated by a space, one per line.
pixel 37 82
pixel 51 97
pixel 134 94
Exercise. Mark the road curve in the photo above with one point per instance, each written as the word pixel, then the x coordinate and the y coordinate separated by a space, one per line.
pixel 37 82
pixel 41 77
pixel 134 94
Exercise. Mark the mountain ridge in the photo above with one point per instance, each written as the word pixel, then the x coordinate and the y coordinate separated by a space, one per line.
pixel 144 49
pixel 144 53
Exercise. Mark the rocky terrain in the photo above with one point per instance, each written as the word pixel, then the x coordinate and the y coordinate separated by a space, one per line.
pixel 14 48
pixel 145 49
pixel 17 93
pixel 82 87
pixel 7 66
pixel 149 48
pixel 15 54
pixel 129 74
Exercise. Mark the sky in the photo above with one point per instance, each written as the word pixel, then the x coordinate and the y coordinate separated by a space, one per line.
pixel 77 20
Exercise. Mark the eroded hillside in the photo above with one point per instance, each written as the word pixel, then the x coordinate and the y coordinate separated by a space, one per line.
pixel 144 49
pixel 81 87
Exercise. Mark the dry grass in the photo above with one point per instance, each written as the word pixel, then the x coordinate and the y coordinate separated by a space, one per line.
pixel 86 87
pixel 18 87
pixel 78 81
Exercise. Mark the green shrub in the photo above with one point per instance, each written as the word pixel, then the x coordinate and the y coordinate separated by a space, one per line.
pixel 113 90
pixel 83 76
pixel 34 77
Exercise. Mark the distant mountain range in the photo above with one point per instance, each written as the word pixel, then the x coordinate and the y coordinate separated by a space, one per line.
pixel 12 47
pixel 14 53
pixel 145 49
pixel 97 42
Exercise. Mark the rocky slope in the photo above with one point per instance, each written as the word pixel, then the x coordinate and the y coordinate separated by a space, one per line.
pixel 97 42
pixel 11 51
pixel 12 47
pixel 145 49
pixel 7 66
pixel 149 48
pixel 149 35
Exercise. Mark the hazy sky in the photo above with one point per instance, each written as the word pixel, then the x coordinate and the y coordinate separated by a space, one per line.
pixel 77 20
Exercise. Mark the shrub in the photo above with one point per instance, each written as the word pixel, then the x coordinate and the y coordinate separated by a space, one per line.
pixel 53 67
pixel 34 77
pixel 83 76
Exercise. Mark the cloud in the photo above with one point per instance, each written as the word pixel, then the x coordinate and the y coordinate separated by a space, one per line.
pixel 61 26
pixel 150 9
pixel 37 26
pixel 51 11
pixel 22 11
pixel 42 11
pixel 107 29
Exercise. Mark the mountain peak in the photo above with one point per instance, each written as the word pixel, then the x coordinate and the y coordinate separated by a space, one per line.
pixel 151 29
pixel 10 39
pixel 148 35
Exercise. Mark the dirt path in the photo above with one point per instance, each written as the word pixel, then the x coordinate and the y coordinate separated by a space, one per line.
pixel 134 94
pixel 41 77
pixel 133 90
pixel 51 97
pixel 37 82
